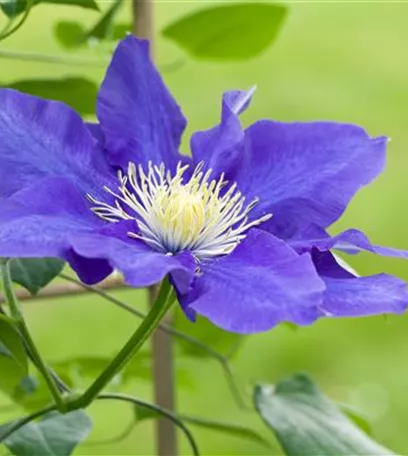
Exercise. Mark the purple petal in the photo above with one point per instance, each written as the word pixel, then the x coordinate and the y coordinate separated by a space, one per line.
pixel 89 271
pixel 306 173
pixel 350 241
pixel 183 282
pixel 363 296
pixel 235 102
pixel 221 147
pixel 327 265
pixel 349 296
pixel 261 283
pixel 39 220
pixel 41 139
pixel 140 265
pixel 139 118
pixel 96 132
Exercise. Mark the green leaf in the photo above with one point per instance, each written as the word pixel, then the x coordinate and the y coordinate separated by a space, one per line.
pixel 231 32
pixel 13 357
pixel 28 388
pixel 55 435
pixel 12 343
pixel 87 4
pixel 12 8
pixel 4 351
pixel 307 423
pixel 103 27
pixel 78 92
pixel 72 35
pixel 35 273
pixel 32 393
pixel 223 342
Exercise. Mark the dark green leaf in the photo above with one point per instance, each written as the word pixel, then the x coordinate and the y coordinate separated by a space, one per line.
pixel 32 393
pixel 12 343
pixel 87 4
pixel 307 423
pixel 55 435
pixel 229 32
pixel 77 92
pixel 35 273
pixel 70 34
pixel 4 351
pixel 223 342
pixel 28 385
pixel 13 357
pixel 103 27
pixel 14 7
pixel 28 389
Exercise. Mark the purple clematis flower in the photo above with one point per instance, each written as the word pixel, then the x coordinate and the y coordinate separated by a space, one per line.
pixel 240 228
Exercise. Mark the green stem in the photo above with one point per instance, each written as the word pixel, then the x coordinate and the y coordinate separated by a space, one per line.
pixel 157 409
pixel 162 327
pixel 20 322
pixel 221 359
pixel 133 345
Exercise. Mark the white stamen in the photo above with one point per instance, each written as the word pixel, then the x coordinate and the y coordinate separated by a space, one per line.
pixel 173 215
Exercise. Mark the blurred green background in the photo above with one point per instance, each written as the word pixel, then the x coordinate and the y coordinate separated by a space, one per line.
pixel 344 61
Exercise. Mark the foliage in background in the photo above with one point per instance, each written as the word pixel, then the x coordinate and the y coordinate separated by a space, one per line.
pixel 212 34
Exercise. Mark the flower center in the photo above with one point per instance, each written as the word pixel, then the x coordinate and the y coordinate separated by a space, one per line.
pixel 173 215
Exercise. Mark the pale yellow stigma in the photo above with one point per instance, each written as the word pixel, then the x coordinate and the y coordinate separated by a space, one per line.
pixel 173 215
pixel 183 216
